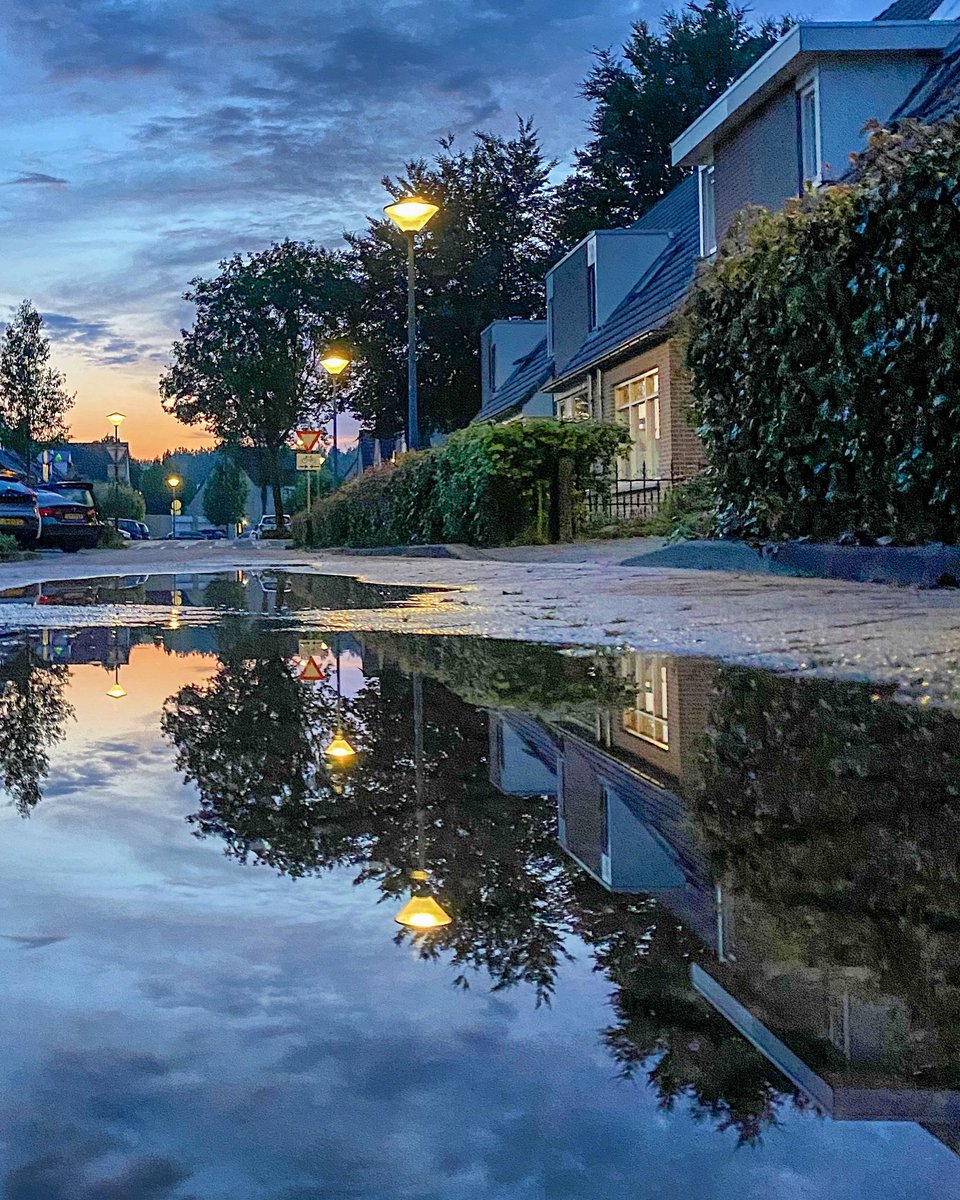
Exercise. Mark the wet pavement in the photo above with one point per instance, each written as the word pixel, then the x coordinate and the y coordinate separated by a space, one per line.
pixel 694 925
pixel 840 630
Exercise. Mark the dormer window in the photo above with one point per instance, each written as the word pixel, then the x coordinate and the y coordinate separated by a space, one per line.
pixel 808 120
pixel 550 315
pixel 492 367
pixel 708 211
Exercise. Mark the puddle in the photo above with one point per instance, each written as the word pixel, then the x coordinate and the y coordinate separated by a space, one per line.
pixel 264 593
pixel 696 925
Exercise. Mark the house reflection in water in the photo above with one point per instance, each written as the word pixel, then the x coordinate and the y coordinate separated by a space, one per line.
pixel 829 1028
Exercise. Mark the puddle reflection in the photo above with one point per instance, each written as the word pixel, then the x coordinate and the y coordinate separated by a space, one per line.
pixel 761 872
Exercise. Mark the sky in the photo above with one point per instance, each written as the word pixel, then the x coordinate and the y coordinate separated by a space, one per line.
pixel 141 141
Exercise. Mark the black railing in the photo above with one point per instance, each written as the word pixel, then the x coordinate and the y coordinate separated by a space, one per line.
pixel 629 499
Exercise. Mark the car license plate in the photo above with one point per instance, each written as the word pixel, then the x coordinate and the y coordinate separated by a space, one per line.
pixel 73 516
pixel 8 521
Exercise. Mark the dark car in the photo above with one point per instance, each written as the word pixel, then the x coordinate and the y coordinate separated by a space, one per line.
pixel 68 516
pixel 18 512
pixel 144 530
pixel 134 528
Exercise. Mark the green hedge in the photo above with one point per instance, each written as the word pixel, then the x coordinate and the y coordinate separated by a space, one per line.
pixel 487 485
pixel 823 346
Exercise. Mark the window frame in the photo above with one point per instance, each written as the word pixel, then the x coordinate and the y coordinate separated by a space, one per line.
pixel 708 229
pixel 652 398
pixel 591 296
pixel 808 91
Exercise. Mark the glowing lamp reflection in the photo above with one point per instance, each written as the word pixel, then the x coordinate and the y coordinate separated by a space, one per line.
pixel 339 749
pixel 422 912
pixel 116 692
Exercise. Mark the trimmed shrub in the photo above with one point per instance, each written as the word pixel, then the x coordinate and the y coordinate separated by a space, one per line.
pixel 487 485
pixel 822 345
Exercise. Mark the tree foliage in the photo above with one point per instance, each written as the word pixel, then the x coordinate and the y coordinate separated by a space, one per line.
pixel 225 496
pixel 248 369
pixel 34 713
pixel 481 258
pixel 822 344
pixel 644 98
pixel 119 500
pixel 33 397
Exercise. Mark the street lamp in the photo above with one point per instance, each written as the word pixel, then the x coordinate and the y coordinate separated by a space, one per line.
pixel 335 364
pixel 173 482
pixel 116 691
pixel 410 216
pixel 116 419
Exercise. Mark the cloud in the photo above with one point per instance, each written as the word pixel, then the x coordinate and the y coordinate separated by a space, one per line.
pixel 35 179
pixel 97 340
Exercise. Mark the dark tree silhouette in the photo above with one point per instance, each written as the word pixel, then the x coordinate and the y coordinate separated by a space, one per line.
pixel 33 717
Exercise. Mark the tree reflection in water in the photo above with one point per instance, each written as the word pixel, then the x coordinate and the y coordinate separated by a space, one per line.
pixel 33 718
pixel 252 740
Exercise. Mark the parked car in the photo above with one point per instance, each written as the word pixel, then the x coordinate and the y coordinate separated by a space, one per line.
pixel 268 525
pixel 144 530
pixel 68 517
pixel 19 514
pixel 133 528
pixel 214 535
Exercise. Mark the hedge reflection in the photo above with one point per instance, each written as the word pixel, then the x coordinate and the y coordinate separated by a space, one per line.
pixel 835 812
pixel 33 718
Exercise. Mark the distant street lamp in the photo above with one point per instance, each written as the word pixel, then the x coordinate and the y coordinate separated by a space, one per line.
pixel 116 419
pixel 116 691
pixel 410 215
pixel 335 364
pixel 173 482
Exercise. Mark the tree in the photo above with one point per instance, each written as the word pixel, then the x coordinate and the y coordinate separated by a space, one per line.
pixel 33 716
pixel 225 496
pixel 33 396
pixel 481 258
pixel 153 484
pixel 644 99
pixel 248 368
pixel 119 500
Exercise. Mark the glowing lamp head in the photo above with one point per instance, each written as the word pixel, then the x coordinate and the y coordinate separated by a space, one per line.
pixel 411 214
pixel 116 419
pixel 334 364
pixel 339 749
pixel 422 913
pixel 173 481
pixel 116 692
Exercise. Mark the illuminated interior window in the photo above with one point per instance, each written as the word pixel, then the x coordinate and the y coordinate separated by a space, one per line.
pixel 647 719
pixel 637 403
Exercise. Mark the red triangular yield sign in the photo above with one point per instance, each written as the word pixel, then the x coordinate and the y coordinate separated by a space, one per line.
pixel 308 438
pixel 312 671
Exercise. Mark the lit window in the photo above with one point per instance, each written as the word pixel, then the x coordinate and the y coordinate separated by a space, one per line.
pixel 637 404
pixel 648 719
pixel 809 134
pixel 574 407
pixel 708 211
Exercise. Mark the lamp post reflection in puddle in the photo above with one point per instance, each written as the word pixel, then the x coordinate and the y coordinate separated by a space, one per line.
pixel 422 912
pixel 338 750
pixel 115 691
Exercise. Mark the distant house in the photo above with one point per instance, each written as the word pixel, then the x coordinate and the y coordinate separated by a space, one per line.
pixel 793 120
pixel 514 367
pixel 606 351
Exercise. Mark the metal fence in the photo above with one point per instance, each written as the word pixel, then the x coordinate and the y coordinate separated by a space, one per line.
pixel 622 499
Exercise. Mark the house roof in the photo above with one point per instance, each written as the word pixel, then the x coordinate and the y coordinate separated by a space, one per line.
pixel 532 371
pixel 653 299
pixel 795 52
pixel 937 95
pixel 912 10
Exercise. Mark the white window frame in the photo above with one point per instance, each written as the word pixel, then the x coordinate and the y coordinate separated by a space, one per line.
pixel 573 406
pixel 623 403
pixel 708 229
pixel 808 88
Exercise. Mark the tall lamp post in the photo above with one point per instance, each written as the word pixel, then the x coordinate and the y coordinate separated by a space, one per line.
pixel 335 364
pixel 173 482
pixel 410 216
pixel 116 419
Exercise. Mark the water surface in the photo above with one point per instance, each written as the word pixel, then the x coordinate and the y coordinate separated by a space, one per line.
pixel 703 936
